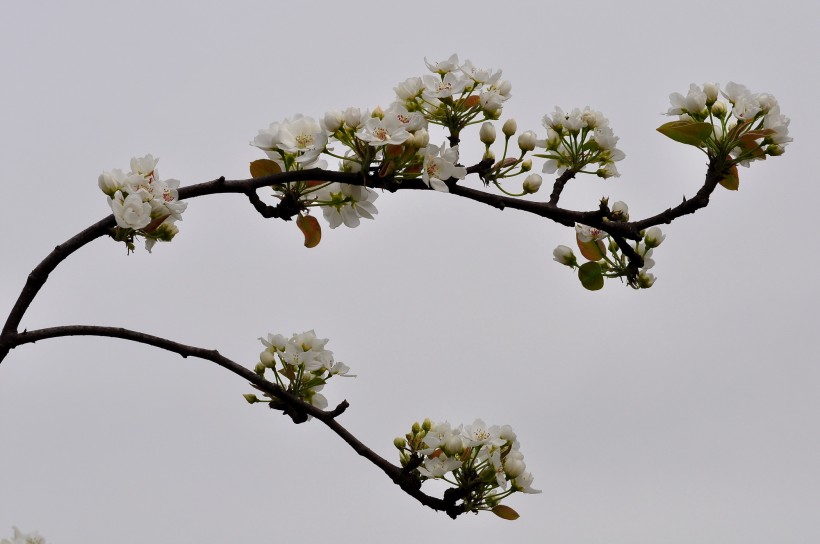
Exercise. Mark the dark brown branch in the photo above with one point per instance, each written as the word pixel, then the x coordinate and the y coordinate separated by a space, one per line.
pixel 407 482
pixel 558 187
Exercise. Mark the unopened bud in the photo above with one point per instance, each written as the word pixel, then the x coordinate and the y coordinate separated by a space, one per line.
pixel 526 165
pixel 565 256
pixel 378 112
pixel 487 133
pixel 646 280
pixel 251 398
pixel 620 211
pixel 259 369
pixel 333 120
pixel 400 442
pixel 653 237
pixel 416 427
pixel 421 138
pixel 527 140
pixel 532 183
pixel 509 128
pixel 427 424
pixel 719 110
pixel 711 92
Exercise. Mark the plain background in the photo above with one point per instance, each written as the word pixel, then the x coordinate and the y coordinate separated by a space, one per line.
pixel 687 413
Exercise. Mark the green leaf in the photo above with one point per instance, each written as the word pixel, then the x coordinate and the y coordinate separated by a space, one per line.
pixel 310 227
pixel 264 167
pixel 591 276
pixel 505 512
pixel 687 132
pixel 732 180
pixel 592 250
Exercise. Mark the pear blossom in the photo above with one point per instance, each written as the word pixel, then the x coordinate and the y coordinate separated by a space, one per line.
pixel 693 103
pixel 409 89
pixel 586 233
pixel 445 87
pixel 386 131
pixel 653 237
pixel 443 67
pixel 480 75
pixel 303 136
pixel 130 212
pixel 347 203
pixel 24 538
pixel 439 166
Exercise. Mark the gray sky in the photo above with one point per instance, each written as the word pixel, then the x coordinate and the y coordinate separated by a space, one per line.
pixel 684 413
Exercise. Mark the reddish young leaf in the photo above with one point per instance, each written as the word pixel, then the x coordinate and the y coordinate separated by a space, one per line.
pixel 310 227
pixel 732 179
pixel 505 512
pixel 592 250
pixel 264 167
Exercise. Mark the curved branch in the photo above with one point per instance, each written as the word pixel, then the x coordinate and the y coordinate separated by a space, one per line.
pixel 405 480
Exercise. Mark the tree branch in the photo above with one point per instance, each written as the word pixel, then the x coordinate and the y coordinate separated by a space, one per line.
pixel 409 483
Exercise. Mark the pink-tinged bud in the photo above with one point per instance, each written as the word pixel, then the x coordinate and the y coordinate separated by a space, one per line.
pixel 532 184
pixel 509 127
pixel 487 133
pixel 527 140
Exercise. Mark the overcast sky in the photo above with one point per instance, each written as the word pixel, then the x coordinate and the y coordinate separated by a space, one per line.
pixel 683 413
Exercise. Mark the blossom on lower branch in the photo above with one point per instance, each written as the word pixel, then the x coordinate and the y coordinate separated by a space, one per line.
pixel 24 538
pixel 301 366
pixel 482 462
pixel 142 203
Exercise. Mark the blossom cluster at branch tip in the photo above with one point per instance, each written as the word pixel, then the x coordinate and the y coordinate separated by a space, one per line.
pixel 746 126
pixel 577 139
pixel 483 461
pixel 23 538
pixel 300 365
pixel 142 203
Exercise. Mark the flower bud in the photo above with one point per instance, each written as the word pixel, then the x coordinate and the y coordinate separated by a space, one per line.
pixel 454 445
pixel 421 138
pixel 711 92
pixel 487 133
pixel 509 128
pixel 719 110
pixel 653 237
pixel 526 165
pixel 526 141
pixel 400 442
pixel 378 112
pixel 267 359
pixel 259 369
pixel 251 398
pixel 514 467
pixel 416 427
pixel 620 211
pixel 108 184
pixel 565 256
pixel 352 117
pixel 646 280
pixel 427 424
pixel 532 183
pixel 333 121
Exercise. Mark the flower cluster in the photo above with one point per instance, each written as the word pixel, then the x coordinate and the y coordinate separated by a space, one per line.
pixel 24 538
pixel 301 366
pixel 747 126
pixel 456 94
pixel 143 204
pixel 483 462
pixel 577 139
pixel 606 260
